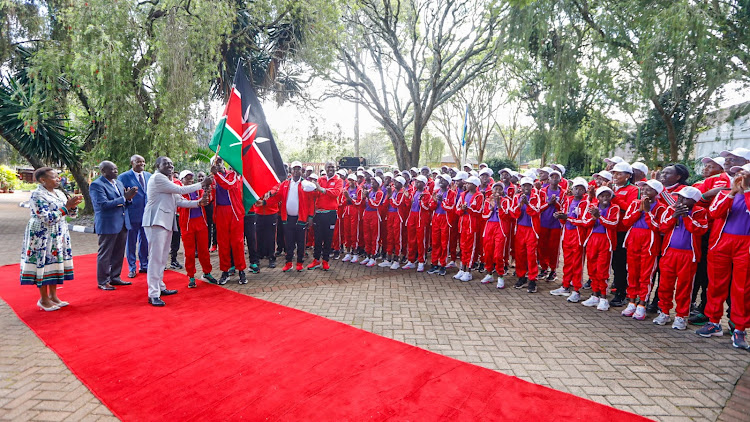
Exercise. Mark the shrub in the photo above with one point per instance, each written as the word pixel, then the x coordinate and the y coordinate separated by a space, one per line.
pixel 8 178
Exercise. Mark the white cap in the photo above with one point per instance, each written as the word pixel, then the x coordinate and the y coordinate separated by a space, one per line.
pixel 296 164
pixel 486 170
pixel 526 181
pixel 531 174
pixel 622 167
pixel 604 189
pixel 352 177
pixel 414 169
pixel 736 169
pixel 507 170
pixel 605 174
pixel 616 159
pixel 640 166
pixel 718 161
pixel 483 164
pixel 378 179
pixel 389 174
pixel 546 169
pixel 314 176
pixel 308 186
pixel 322 172
pixel 555 172
pixel 461 175
pixel 739 152
pixel 474 173
pixel 369 172
pixel 580 181
pixel 474 181
pixel 654 184
pixel 561 167
pixel 498 183
pixel 185 173
pixel 467 165
pixel 690 193
pixel 341 172
pixel 421 179
pixel 360 168
pixel 309 168
pixel 361 173
pixel 400 180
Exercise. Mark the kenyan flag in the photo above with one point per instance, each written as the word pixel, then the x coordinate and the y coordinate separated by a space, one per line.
pixel 244 140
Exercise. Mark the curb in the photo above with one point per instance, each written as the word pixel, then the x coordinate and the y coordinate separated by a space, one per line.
pixel 71 227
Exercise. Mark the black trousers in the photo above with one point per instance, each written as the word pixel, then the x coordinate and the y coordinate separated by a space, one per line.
pixel 280 243
pixel 267 225
pixel 324 223
pixel 251 238
pixel 620 265
pixel 209 210
pixel 295 233
pixel 176 237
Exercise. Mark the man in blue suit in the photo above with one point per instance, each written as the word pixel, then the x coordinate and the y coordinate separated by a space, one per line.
pixel 110 199
pixel 138 178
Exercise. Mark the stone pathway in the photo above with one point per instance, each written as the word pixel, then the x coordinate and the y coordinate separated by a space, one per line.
pixel 653 371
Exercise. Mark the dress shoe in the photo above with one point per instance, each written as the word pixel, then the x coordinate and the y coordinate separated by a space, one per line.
pixel 131 274
pixel 120 283
pixel 168 292
pixel 143 271
pixel 106 286
pixel 53 307
pixel 155 301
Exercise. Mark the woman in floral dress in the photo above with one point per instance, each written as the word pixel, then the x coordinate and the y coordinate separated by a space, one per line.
pixel 47 259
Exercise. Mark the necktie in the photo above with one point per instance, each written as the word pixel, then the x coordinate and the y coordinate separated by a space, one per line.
pixel 140 180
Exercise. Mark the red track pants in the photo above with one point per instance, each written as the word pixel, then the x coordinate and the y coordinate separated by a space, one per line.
pixel 572 260
pixel 641 263
pixel 371 229
pixel 360 229
pixel 230 235
pixel 350 224
pixel 479 254
pixel 598 262
pixel 453 237
pixel 440 239
pixel 494 240
pixel 676 267
pixel 338 237
pixel 526 247
pixel 549 248
pixel 416 234
pixel 729 261
pixel 394 240
pixel 191 239
pixel 383 230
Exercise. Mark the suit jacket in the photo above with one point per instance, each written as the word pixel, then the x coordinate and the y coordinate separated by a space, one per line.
pixel 129 180
pixel 110 213
pixel 164 196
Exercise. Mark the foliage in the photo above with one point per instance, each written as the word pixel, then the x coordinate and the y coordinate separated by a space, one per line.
pixel 8 178
pixel 497 164
pixel 432 148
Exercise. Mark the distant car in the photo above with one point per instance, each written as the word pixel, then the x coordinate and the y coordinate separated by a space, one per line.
pixel 351 163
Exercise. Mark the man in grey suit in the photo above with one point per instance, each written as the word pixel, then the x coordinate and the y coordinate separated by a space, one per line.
pixel 164 196
pixel 110 199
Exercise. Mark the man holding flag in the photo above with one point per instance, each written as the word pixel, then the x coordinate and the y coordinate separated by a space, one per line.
pixel 229 219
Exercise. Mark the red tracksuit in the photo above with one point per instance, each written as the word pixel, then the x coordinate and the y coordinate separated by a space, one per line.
pixel 194 232
pixel 453 237
pixel 495 234
pixel 526 235
pixel 643 242
pixel 229 219
pixel 468 225
pixel 510 192
pixel 550 229
pixel 600 244
pixel 338 233
pixel 371 218
pixel 398 206
pixel 350 221
pixel 730 250
pixel 417 224
pixel 680 256
pixel 441 228
pixel 574 235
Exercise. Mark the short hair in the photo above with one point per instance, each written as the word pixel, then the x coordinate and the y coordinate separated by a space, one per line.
pixel 41 172
pixel 159 160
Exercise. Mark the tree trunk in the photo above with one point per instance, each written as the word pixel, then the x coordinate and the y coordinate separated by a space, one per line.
pixel 81 178
pixel 671 132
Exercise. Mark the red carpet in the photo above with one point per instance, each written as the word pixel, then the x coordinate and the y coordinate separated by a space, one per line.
pixel 213 354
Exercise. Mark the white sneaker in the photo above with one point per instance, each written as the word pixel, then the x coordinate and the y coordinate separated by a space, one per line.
pixel 487 279
pixel 458 275
pixel 420 267
pixel 592 301
pixel 629 311
pixel 562 291
pixel 662 318
pixel 347 257
pixel 371 263
pixel 500 283
pixel 640 313
pixel 603 305
pixel 355 259
pixel 450 265
pixel 365 261
pixel 679 323
pixel 395 265
pixel 384 264
pixel 574 297
pixel 409 266
pixel 467 276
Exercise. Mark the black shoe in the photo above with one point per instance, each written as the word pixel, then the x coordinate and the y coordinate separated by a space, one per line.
pixel 653 307
pixel 210 279
pixel 253 269
pixel 106 287
pixel 552 276
pixel 143 271
pixel 532 286
pixel 223 279
pixel 521 282
pixel 272 263
pixel 120 283
pixel 243 278
pixel 191 284
pixel 155 301
pixel 433 270
pixel 694 309
pixel 175 265
pixel 441 271
pixel 131 274
pixel 587 285
pixel 231 270
pixel 618 301
pixel 168 292
pixel 699 319
pixel 542 274
pixel 336 254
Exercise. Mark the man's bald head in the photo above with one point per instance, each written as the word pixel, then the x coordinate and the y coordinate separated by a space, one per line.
pixel 108 169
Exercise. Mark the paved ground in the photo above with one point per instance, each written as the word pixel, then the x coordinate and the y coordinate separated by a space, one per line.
pixel 636 366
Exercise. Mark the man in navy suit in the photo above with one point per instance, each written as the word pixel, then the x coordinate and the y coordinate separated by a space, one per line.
pixel 138 178
pixel 110 199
